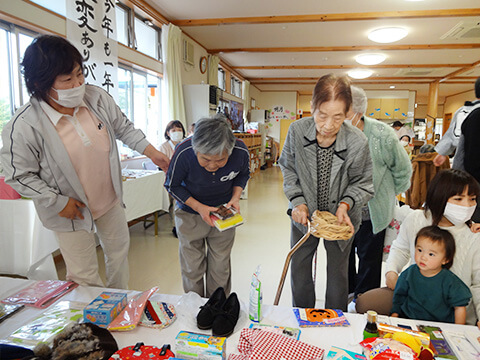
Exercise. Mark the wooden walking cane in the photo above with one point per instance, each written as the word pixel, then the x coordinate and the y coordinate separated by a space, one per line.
pixel 287 262
pixel 324 227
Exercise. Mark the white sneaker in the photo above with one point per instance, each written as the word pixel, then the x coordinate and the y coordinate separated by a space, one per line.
pixel 351 307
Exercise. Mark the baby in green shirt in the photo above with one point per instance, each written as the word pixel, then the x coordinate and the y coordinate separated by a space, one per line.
pixel 427 290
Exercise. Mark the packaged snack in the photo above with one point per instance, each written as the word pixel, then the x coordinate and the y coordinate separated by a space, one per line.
pixel 320 317
pixel 387 349
pixel 384 329
pixel 438 342
pixel 225 218
pixel 193 346
pixel 104 308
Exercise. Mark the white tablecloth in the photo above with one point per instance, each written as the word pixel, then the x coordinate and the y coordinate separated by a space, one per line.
pixel 145 193
pixel 26 247
pixel 344 337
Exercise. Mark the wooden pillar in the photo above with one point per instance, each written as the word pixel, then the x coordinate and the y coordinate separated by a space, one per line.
pixel 228 81
pixel 432 108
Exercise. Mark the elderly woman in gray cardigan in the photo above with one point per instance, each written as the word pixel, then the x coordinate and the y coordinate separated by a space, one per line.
pixel 326 166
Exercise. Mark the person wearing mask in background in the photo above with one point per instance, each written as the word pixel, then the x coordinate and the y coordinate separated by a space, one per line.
pixel 405 142
pixel 448 144
pixel 174 134
pixel 207 170
pixel 326 166
pixel 391 176
pixel 451 200
pixel 401 129
pixel 60 150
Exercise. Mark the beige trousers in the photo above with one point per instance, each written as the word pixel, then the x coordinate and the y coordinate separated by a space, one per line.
pixel 78 249
pixel 204 254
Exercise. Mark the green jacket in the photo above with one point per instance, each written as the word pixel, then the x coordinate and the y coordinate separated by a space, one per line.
pixel 392 171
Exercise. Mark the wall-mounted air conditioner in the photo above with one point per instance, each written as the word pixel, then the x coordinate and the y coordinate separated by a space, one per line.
pixel 188 52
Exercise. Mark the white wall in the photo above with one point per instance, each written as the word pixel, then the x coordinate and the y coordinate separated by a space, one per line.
pixel 191 73
pixel 267 100
pixel 453 103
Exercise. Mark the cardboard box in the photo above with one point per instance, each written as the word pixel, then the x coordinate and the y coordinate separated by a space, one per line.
pixel 104 308
pixel 193 346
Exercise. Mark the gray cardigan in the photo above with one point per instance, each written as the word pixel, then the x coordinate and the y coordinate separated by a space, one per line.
pixel 351 177
pixel 37 165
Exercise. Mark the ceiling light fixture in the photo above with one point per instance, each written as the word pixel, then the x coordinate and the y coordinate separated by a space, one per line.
pixel 360 73
pixel 392 86
pixel 387 34
pixel 370 59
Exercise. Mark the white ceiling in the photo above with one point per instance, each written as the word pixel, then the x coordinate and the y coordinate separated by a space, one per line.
pixel 351 33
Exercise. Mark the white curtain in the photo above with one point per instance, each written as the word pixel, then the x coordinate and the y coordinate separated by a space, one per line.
pixel 213 61
pixel 246 99
pixel 174 106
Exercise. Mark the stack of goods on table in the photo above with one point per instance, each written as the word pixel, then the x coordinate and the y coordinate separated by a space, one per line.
pixel 65 324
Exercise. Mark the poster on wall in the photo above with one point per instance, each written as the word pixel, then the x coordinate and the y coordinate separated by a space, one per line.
pixel 236 116
pixel 91 28
pixel 278 112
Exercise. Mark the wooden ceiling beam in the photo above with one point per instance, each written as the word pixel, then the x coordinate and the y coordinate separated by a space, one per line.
pixel 375 15
pixel 321 67
pixel 460 71
pixel 375 81
pixel 384 47
pixel 254 80
pixel 147 10
pixel 227 66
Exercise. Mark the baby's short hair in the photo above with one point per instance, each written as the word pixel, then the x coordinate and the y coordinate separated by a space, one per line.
pixel 435 234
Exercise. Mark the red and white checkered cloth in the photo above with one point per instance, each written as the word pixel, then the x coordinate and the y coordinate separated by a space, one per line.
pixel 255 344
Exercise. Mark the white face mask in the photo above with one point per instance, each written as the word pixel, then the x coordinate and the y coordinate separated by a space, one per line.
pixel 176 135
pixel 350 121
pixel 404 143
pixel 70 98
pixel 458 214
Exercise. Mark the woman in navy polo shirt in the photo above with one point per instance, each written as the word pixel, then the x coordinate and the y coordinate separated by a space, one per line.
pixel 207 170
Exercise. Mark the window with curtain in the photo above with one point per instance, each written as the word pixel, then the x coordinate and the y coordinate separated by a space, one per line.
pixel 147 38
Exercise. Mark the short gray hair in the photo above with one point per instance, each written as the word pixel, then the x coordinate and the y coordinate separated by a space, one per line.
pixel 213 136
pixel 359 99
